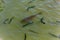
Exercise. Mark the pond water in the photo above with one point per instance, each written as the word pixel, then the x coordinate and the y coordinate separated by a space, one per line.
pixel 13 11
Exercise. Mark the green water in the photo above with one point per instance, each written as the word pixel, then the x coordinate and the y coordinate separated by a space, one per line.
pixel 17 9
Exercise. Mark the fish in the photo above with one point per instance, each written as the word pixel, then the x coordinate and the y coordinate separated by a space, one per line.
pixel 53 35
pixel 41 20
pixel 28 19
pixel 33 31
pixel 8 21
pixel 30 7
pixel 27 24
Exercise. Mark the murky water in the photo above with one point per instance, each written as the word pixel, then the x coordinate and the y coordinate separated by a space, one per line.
pixel 50 10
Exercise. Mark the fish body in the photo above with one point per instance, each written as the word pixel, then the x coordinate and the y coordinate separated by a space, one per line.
pixel 29 18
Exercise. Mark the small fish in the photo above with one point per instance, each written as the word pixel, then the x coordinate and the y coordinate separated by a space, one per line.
pixel 27 24
pixel 30 8
pixel 53 35
pixel 33 31
pixel 8 21
pixel 41 20
pixel 28 19
pixel 25 37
